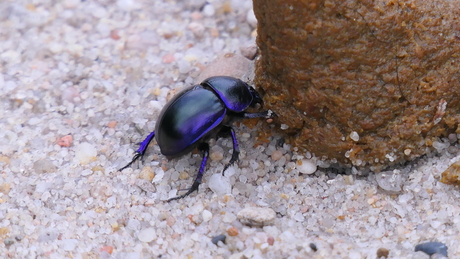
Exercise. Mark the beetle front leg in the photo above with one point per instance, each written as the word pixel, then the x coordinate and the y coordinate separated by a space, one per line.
pixel 204 147
pixel 265 114
pixel 236 149
pixel 141 151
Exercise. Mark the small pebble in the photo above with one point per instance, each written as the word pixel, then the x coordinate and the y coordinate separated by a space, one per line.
pixel 271 240
pixel 219 184
pixel 313 247
pixel 4 159
pixel 167 59
pixel 85 153
pixel 452 138
pixel 4 231
pixel 382 252
pixel 264 247
pixel 452 174
pixel 145 185
pixel 112 124
pixel 229 64
pixel 86 172
pixel 232 231
pixel 349 179
pixel 65 141
pixel 207 215
pixel 390 181
pixel 407 151
pixel 440 145
pixel 183 175
pixel 147 235
pixel 5 188
pixel 98 168
pixel 184 66
pixel 431 248
pixel 147 173
pixel 108 249
pixel 114 34
pixel 249 52
pixel 216 239
pixel 276 155
pixel 208 10
pixel 354 136
pixel 306 166
pixel 8 242
pixel 256 216
pixel 197 29
pixel 452 150
pixel 44 166
pixel 69 244
pixel 170 221
pixel 216 156
pixel 227 7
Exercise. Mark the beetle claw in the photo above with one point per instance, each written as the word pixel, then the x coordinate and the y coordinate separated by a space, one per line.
pixel 194 187
pixel 271 114
pixel 135 157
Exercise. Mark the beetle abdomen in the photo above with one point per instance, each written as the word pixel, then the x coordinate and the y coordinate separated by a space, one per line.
pixel 186 119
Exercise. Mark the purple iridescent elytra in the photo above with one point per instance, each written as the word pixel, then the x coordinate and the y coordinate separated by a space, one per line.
pixel 178 130
pixel 201 112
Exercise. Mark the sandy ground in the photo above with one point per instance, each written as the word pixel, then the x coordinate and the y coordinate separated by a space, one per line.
pixel 101 71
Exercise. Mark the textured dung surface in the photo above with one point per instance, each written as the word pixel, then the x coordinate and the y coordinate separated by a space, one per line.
pixel 385 72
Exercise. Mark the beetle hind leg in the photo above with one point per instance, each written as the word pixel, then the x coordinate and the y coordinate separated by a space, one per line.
pixel 141 150
pixel 204 147
pixel 236 149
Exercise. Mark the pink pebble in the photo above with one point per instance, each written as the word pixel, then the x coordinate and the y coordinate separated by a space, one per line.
pixel 65 141
pixel 270 240
pixel 115 34
pixel 168 58
pixel 112 124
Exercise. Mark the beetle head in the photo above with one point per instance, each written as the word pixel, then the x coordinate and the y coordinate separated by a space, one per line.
pixel 256 99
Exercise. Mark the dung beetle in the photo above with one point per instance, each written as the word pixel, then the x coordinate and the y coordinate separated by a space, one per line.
pixel 199 113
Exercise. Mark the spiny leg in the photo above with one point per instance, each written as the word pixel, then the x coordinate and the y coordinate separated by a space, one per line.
pixel 204 148
pixel 236 150
pixel 141 151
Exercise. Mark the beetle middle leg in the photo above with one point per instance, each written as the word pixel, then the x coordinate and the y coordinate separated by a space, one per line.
pixel 228 130
pixel 203 147
pixel 141 150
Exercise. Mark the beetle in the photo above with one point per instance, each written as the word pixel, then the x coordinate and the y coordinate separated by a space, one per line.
pixel 201 112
